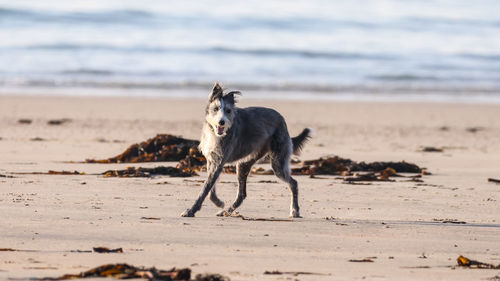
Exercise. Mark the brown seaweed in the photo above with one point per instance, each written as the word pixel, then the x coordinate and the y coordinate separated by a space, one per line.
pixel 65 173
pixel 24 121
pixel 135 172
pixel 126 271
pixel 8 250
pixel 58 121
pixel 324 166
pixel 229 169
pixel 383 175
pixel 102 250
pixel 366 177
pixel 294 273
pixel 474 129
pixel 465 262
pixel 399 167
pixel 16 250
pixel 431 149
pixel 51 172
pixel 335 165
pixel 361 260
pixel 163 147
pixel 454 221
pixel 493 180
pixel 193 162
pixel 211 277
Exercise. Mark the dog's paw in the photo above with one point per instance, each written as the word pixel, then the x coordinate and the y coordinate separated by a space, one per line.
pixel 295 214
pixel 223 213
pixel 187 213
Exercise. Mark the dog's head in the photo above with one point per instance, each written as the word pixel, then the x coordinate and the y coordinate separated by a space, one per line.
pixel 220 110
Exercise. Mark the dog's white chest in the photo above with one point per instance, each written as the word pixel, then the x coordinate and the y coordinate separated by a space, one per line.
pixel 208 142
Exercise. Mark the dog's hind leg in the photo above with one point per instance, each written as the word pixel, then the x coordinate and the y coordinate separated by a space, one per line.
pixel 209 184
pixel 242 170
pixel 213 197
pixel 281 150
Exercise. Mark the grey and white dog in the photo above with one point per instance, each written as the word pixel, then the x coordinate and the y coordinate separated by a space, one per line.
pixel 244 135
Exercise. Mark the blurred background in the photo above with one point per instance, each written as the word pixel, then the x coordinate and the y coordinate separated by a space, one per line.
pixel 419 49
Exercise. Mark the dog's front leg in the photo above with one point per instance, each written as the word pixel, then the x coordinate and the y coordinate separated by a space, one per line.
pixel 213 193
pixel 209 183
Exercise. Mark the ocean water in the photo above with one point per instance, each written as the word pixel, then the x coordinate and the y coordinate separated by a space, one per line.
pixel 406 48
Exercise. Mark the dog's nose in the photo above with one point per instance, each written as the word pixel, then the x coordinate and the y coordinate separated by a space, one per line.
pixel 221 122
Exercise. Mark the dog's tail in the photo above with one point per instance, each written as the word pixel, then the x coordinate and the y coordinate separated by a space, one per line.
pixel 300 140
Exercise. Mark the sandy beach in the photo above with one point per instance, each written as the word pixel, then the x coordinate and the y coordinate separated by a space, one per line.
pixel 408 230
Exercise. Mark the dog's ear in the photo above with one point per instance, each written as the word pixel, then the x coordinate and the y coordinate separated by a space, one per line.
pixel 229 97
pixel 216 92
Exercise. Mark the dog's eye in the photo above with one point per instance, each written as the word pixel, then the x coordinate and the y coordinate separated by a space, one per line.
pixel 228 111
pixel 216 109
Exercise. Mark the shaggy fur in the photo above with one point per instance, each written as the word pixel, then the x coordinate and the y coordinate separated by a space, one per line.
pixel 244 135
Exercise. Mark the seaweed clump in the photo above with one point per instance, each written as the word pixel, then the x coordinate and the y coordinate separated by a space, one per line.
pixel 193 162
pixel 140 172
pixel 465 262
pixel 163 147
pixel 126 271
pixel 335 165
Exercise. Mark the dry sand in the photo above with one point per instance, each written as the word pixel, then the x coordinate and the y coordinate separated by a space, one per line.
pixel 394 223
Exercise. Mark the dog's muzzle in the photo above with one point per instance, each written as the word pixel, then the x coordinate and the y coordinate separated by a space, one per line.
pixel 220 130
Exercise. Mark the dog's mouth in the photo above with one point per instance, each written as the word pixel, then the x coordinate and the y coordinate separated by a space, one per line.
pixel 220 130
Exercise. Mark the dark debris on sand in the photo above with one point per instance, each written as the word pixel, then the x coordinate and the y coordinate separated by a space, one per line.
pixel 103 250
pixel 211 277
pixel 134 172
pixel 25 121
pixel 335 165
pixel 294 273
pixel 474 129
pixel 465 262
pixel 361 260
pixel 37 139
pixel 51 172
pixel 431 149
pixel 8 250
pixel 126 271
pixel 493 180
pixel 55 122
pixel 163 147
pixel 193 162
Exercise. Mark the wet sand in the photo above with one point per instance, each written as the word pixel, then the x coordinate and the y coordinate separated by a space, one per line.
pixel 398 225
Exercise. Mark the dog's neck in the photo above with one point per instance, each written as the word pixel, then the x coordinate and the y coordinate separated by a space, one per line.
pixel 214 147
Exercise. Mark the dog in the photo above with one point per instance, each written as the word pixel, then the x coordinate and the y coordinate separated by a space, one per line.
pixel 243 136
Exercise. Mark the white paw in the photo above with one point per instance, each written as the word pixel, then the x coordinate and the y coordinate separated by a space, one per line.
pixel 295 214
pixel 187 213
pixel 223 213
